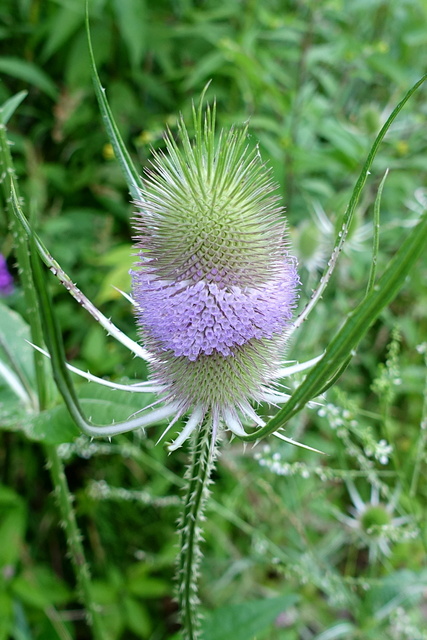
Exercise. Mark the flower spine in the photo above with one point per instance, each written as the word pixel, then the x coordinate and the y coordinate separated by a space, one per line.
pixel 214 286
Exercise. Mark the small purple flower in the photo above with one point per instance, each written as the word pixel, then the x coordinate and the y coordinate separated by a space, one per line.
pixel 215 286
pixel 6 280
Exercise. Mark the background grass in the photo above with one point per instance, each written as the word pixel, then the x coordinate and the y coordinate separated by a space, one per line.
pixel 316 81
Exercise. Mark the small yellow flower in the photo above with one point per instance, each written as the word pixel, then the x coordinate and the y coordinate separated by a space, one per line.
pixel 108 151
pixel 145 137
pixel 402 147
pixel 382 47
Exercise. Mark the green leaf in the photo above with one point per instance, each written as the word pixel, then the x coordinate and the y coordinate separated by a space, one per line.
pixel 40 588
pixel 10 106
pixel 9 185
pixel 394 590
pixel 53 426
pixel 245 621
pixel 53 340
pixel 14 348
pixel 376 243
pixel 132 23
pixel 11 533
pixel 30 73
pixel 353 330
pixel 6 608
pixel 100 404
pixel 354 199
pixel 121 259
pixel 65 21
pixel 16 366
pixel 13 415
pixel 339 630
pixel 340 349
pixel 137 617
pixel 12 527
pixel 130 173
pixel 141 584
pixel 118 404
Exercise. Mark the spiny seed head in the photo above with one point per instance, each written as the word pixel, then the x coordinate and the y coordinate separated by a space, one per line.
pixel 215 286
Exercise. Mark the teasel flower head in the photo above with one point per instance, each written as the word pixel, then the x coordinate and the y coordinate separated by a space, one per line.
pixel 215 285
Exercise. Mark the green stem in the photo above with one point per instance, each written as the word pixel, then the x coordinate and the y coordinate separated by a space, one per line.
pixel 23 259
pixel 59 481
pixel 196 494
pixel 74 542
pixel 422 441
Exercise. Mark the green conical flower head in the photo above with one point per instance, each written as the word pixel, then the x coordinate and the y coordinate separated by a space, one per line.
pixel 215 285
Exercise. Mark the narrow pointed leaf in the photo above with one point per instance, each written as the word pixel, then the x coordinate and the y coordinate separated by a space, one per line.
pixel 56 426
pixel 53 340
pixel 353 330
pixel 29 73
pixel 15 351
pixel 354 199
pixel 376 242
pixel 9 184
pixel 130 173
pixel 10 106
pixel 66 281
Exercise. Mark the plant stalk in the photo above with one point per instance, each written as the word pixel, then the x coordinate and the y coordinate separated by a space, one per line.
pixel 198 479
pixel 74 542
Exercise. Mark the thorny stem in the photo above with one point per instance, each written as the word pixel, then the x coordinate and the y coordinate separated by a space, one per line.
pixel 7 178
pixel 198 477
pixel 9 184
pixel 66 281
pixel 74 542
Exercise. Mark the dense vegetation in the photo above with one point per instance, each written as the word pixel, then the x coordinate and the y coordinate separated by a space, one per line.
pixel 297 545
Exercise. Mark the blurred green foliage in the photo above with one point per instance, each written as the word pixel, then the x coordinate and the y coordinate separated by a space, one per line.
pixel 316 80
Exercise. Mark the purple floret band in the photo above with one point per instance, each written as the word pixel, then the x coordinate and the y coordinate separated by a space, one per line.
pixel 203 318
